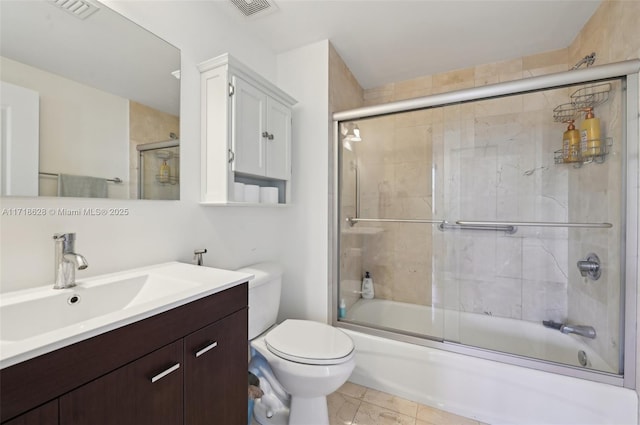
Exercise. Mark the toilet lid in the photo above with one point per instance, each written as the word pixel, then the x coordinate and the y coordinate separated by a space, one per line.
pixel 308 342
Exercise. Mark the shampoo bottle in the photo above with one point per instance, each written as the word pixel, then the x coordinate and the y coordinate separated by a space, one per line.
pixel 571 144
pixel 164 172
pixel 342 310
pixel 367 287
pixel 590 134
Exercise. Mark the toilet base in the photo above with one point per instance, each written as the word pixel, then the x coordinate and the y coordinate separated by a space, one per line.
pixel 309 411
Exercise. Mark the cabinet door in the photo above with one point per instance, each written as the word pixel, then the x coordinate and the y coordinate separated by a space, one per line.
pixel 248 109
pixel 278 145
pixel 47 414
pixel 146 391
pixel 216 372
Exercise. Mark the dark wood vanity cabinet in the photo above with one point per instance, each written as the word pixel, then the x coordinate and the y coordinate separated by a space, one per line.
pixel 137 393
pixel 43 415
pixel 184 366
pixel 214 358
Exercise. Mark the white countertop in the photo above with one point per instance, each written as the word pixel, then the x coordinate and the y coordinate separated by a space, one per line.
pixel 39 320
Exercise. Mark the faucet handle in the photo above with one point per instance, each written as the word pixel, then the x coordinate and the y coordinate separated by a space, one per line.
pixel 590 267
pixel 197 255
pixel 69 237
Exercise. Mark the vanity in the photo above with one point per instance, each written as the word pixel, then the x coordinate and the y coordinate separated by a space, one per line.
pixel 163 356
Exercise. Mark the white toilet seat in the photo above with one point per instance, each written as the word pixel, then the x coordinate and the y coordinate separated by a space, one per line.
pixel 308 342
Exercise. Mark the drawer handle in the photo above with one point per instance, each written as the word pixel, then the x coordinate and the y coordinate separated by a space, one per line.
pixel 165 373
pixel 207 348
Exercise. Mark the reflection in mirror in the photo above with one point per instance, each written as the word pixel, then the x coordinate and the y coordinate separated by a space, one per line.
pixel 79 95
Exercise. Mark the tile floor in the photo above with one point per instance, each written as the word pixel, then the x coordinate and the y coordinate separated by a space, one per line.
pixel 357 405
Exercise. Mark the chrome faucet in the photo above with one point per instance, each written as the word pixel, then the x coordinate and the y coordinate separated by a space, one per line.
pixel 66 261
pixel 582 330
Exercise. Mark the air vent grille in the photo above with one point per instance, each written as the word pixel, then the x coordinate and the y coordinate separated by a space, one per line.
pixel 252 7
pixel 81 9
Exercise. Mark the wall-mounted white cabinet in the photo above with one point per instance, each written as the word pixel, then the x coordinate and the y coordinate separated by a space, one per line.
pixel 246 133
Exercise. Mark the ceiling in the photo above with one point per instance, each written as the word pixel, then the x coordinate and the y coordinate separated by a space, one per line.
pixel 384 41
pixel 92 51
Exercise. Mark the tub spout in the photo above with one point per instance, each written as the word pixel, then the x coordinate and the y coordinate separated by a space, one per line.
pixel 586 331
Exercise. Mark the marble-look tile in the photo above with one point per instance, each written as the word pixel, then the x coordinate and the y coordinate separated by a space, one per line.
pixel 391 402
pixel 342 408
pixel 370 414
pixel 353 390
pixel 545 59
pixel 433 416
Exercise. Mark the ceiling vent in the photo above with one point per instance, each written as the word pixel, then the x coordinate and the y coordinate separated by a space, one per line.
pixel 81 9
pixel 251 8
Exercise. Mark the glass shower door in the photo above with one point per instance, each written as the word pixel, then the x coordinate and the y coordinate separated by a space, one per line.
pixel 522 214
pixel 159 173
pixel 386 224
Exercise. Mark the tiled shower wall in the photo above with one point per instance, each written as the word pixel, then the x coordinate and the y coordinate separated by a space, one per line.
pixel 612 32
pixel 147 125
pixel 487 161
pixel 500 274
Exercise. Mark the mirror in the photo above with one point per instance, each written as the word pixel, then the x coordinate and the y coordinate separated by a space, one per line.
pixel 84 92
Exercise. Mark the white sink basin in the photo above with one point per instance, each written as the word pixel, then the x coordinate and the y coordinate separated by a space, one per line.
pixel 39 320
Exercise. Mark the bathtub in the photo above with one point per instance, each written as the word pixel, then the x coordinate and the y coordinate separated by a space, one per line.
pixel 486 390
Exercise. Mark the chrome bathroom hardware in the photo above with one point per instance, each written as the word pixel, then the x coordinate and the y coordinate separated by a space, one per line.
pixel 197 255
pixel 536 224
pixel 510 229
pixel 590 267
pixel 165 373
pixel 587 60
pixel 582 358
pixel 114 180
pixel 73 299
pixel 585 331
pixel 66 260
pixel 354 220
pixel 210 346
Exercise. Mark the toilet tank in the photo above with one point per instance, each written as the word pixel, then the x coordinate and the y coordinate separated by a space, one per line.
pixel 264 296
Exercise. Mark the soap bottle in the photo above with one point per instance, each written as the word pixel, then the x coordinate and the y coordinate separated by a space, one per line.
pixel 571 144
pixel 342 310
pixel 590 134
pixel 164 172
pixel 367 287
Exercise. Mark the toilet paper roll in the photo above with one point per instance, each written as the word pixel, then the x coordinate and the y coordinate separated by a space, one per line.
pixel 251 193
pixel 269 195
pixel 238 192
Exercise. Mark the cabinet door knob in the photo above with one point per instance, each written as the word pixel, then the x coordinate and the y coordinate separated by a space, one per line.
pixel 207 348
pixel 165 373
pixel 270 137
pixel 265 134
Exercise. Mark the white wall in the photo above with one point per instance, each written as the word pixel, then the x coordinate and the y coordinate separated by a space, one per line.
pixel 304 74
pixel 154 231
pixel 76 139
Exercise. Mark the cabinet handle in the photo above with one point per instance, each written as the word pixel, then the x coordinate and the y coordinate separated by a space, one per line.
pixel 265 134
pixel 232 156
pixel 207 348
pixel 165 373
pixel 270 137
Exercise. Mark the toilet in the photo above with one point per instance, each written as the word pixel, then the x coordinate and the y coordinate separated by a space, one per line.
pixel 310 360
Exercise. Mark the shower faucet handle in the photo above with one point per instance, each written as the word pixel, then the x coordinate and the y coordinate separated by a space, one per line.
pixel 590 267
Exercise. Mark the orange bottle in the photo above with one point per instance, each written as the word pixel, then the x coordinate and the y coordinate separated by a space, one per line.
pixel 590 135
pixel 571 144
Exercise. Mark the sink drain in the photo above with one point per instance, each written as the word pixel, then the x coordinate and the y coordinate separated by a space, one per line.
pixel 582 358
pixel 73 299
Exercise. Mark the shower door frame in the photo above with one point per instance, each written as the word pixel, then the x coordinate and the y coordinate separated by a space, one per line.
pixel 628 71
